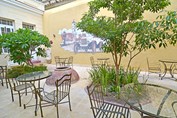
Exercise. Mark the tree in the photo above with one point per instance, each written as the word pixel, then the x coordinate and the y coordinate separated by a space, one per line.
pixel 22 43
pixel 125 33
pixel 127 20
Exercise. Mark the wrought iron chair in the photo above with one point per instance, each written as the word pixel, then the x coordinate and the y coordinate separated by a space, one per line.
pixel 95 64
pixel 59 61
pixel 56 96
pixel 69 62
pixel 154 68
pixel 19 88
pixel 3 75
pixel 103 109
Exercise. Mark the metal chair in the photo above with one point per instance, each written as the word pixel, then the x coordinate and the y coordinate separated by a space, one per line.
pixel 69 62
pixel 56 96
pixel 19 88
pixel 59 61
pixel 154 68
pixel 103 109
pixel 3 75
pixel 95 64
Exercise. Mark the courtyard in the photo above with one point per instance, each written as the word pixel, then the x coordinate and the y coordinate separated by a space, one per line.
pixel 79 99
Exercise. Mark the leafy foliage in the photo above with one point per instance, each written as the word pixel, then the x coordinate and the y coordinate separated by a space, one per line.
pixel 125 32
pixel 20 70
pixel 21 44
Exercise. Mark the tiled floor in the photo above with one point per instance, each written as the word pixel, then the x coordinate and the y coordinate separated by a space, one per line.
pixel 79 99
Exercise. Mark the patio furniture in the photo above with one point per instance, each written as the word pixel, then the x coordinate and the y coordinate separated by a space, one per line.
pixel 103 109
pixel 103 61
pixel 57 96
pixel 3 75
pixel 59 73
pixel 31 78
pixel 18 88
pixel 150 100
pixel 69 62
pixel 94 63
pixel 168 66
pixel 154 68
pixel 60 61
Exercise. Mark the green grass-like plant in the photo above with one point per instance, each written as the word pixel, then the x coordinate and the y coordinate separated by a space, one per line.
pixel 107 78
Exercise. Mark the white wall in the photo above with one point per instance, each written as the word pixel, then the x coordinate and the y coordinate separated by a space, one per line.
pixel 20 15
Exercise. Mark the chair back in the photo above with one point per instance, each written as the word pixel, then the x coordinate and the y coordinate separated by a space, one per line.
pixel 63 87
pixel 95 94
pixel 70 60
pixel 92 61
pixel 3 75
pixel 57 59
pixel 13 83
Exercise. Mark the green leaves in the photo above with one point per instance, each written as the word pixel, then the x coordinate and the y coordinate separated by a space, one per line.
pixel 21 44
pixel 124 31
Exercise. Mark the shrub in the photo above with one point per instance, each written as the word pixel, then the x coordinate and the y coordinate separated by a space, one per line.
pixel 19 70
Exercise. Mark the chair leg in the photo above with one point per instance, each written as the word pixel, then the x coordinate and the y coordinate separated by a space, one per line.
pixel 12 95
pixel 40 105
pixel 2 83
pixel 57 110
pixel 69 102
pixel 6 83
pixel 159 75
pixel 19 98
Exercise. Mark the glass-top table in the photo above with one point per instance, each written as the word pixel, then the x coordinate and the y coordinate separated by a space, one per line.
pixel 31 78
pixel 151 100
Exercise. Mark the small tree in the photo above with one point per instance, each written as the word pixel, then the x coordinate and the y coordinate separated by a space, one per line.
pixel 22 43
pixel 125 33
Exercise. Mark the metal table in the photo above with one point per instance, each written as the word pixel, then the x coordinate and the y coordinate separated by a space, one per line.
pixel 31 78
pixel 168 66
pixel 151 100
pixel 103 61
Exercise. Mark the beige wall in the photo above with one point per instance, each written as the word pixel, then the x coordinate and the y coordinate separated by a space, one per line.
pixel 62 17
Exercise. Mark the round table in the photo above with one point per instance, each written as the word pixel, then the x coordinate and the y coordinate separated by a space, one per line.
pixel 31 78
pixel 151 100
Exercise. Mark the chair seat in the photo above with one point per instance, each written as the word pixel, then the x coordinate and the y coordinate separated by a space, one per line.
pixel 51 97
pixel 109 110
pixel 55 97
pixel 22 87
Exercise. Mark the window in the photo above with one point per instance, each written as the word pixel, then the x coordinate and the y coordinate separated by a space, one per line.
pixel 6 26
pixel 6 22
pixel 29 26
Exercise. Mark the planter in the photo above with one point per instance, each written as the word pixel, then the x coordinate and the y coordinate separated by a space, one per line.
pixel 58 74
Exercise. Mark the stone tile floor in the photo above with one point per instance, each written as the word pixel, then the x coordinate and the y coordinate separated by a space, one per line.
pixel 79 99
